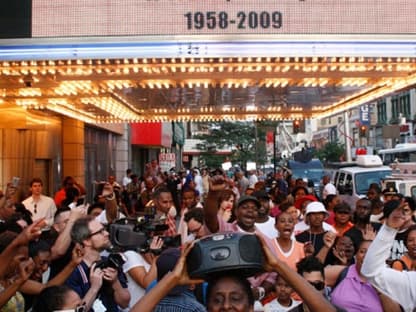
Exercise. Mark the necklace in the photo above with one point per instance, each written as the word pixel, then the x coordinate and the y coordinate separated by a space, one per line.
pixel 310 238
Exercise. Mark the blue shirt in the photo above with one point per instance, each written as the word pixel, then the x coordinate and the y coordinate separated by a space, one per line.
pixel 79 282
pixel 183 302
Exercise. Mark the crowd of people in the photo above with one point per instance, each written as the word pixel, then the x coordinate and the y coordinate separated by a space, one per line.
pixel 320 253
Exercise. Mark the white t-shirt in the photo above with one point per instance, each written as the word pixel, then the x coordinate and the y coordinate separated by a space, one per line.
pixel 133 260
pixel 329 188
pixel 126 180
pixel 275 306
pixel 267 228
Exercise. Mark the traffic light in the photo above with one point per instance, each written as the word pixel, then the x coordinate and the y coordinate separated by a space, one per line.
pixel 296 126
pixel 363 131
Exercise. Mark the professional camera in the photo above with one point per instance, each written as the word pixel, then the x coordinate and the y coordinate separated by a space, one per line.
pixel 114 260
pixel 137 234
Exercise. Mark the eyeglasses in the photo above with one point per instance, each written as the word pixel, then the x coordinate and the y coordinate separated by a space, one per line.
pixel 319 285
pixel 195 231
pixel 35 206
pixel 100 231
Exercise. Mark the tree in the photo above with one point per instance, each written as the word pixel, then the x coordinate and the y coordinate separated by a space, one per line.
pixel 240 137
pixel 332 151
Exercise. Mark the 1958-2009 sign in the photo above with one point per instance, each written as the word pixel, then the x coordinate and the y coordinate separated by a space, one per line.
pixel 239 21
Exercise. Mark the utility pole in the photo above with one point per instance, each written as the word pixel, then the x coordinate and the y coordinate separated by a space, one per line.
pixel 347 137
pixel 257 143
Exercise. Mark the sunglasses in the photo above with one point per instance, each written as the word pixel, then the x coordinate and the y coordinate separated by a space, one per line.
pixel 319 285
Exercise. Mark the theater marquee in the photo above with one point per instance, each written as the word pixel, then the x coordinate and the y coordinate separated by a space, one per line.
pixel 62 18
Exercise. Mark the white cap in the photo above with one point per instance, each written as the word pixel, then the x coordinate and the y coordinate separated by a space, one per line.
pixel 315 207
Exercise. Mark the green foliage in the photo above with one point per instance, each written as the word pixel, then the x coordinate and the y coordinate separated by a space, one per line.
pixel 241 138
pixel 332 151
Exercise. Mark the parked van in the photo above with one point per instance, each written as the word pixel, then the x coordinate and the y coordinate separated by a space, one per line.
pixel 352 182
pixel 404 183
pixel 312 171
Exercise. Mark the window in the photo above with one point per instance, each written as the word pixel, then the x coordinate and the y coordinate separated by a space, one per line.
pixel 395 107
pixel 404 105
pixel 381 112
pixel 400 104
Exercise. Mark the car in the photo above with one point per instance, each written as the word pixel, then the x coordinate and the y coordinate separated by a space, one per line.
pixel 311 171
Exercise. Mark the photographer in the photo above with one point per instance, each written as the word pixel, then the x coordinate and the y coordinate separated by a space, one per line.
pixel 91 281
pixel 140 269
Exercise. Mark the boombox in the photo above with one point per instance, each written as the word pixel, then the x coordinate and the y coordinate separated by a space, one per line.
pixel 231 251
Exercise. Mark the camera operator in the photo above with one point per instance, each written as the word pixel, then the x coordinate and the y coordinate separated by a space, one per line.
pixel 141 270
pixel 91 281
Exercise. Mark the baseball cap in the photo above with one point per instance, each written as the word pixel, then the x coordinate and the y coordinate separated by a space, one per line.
pixel 298 203
pixel 261 194
pixel 315 207
pixel 390 191
pixel 246 198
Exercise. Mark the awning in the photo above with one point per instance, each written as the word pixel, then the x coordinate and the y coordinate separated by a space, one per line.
pixel 152 134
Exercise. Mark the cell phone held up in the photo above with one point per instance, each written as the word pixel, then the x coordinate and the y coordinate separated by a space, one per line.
pixel 15 182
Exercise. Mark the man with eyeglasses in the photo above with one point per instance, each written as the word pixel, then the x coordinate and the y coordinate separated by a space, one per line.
pixel 99 287
pixel 194 219
pixel 312 270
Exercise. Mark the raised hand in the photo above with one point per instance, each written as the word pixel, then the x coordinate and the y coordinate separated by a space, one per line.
pixel 397 218
pixel 340 255
pixel 329 239
pixel 180 271
pixel 217 183
pixel 369 233
pixel 271 261
pixel 25 269
pixel 32 232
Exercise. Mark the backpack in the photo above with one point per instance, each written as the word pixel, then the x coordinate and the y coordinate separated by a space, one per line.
pixel 341 276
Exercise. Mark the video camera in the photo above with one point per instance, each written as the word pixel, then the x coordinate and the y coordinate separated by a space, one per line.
pixel 137 234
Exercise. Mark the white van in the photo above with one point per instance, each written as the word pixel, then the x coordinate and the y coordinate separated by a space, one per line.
pixel 352 182
pixel 405 184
